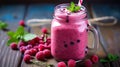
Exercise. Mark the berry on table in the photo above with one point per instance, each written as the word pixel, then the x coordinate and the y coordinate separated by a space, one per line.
pixel 47 53
pixel 41 47
pixel 61 64
pixel 44 30
pixel 28 52
pixel 28 46
pixel 21 43
pixel 88 63
pixel 71 63
pixel 33 51
pixel 21 23
pixel 27 58
pixel 40 55
pixel 94 58
pixel 13 46
pixel 22 49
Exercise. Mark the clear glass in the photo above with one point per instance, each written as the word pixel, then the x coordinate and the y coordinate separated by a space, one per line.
pixel 69 33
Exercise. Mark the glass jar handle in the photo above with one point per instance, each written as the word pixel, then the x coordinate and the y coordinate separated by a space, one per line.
pixel 96 37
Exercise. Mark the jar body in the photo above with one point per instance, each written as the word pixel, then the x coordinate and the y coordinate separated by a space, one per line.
pixel 69 36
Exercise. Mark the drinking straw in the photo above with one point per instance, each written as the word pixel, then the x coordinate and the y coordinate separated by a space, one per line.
pixel 80 2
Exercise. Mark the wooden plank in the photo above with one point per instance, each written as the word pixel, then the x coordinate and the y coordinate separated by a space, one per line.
pixel 11 14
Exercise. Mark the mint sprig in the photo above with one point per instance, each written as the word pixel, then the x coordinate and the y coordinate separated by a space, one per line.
pixel 19 34
pixel 3 25
pixel 73 7
pixel 110 58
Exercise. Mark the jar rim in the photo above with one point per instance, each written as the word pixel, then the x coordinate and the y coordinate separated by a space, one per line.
pixel 64 5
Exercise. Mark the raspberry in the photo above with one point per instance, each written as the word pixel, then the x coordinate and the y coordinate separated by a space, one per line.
pixel 21 23
pixel 48 47
pixel 41 47
pixel 21 43
pixel 28 52
pixel 32 42
pixel 22 49
pixel 33 51
pixel 37 39
pixel 13 46
pixel 27 58
pixel 40 55
pixel 61 64
pixel 88 63
pixel 71 63
pixel 47 53
pixel 48 41
pixel 94 58
pixel 41 42
pixel 28 46
pixel 44 30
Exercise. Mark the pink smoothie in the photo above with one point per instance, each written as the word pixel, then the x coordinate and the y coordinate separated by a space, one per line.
pixel 69 34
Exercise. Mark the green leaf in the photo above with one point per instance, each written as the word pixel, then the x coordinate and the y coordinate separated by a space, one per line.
pixel 77 8
pixel 3 25
pixel 10 33
pixel 11 41
pixel 104 60
pixel 73 7
pixel 28 37
pixel 16 36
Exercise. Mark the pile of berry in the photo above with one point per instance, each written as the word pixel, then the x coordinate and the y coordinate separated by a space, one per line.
pixel 38 48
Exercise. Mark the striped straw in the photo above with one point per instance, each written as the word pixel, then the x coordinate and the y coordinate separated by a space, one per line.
pixel 80 2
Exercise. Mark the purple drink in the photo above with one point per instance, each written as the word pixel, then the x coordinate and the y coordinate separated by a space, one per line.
pixel 69 33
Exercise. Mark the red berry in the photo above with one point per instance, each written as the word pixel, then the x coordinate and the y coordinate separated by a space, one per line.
pixel 48 41
pixel 41 47
pixel 22 23
pixel 13 46
pixel 88 63
pixel 47 53
pixel 27 58
pixel 28 46
pixel 40 55
pixel 28 52
pixel 22 49
pixel 48 47
pixel 37 39
pixel 61 64
pixel 33 51
pixel 32 42
pixel 71 63
pixel 41 42
pixel 94 58
pixel 44 30
pixel 21 43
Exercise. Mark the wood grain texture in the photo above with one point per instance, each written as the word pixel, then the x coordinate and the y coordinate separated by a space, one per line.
pixel 11 14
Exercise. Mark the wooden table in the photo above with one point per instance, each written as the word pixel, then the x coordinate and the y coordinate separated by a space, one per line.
pixel 109 36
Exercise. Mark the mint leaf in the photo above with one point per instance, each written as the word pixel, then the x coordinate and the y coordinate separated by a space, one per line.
pixel 3 25
pixel 104 60
pixel 16 36
pixel 11 41
pixel 77 8
pixel 28 37
pixel 10 33
pixel 110 58
pixel 73 7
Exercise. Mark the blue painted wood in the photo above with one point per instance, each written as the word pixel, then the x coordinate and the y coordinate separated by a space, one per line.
pixel 11 14
pixel 106 10
pixel 40 11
